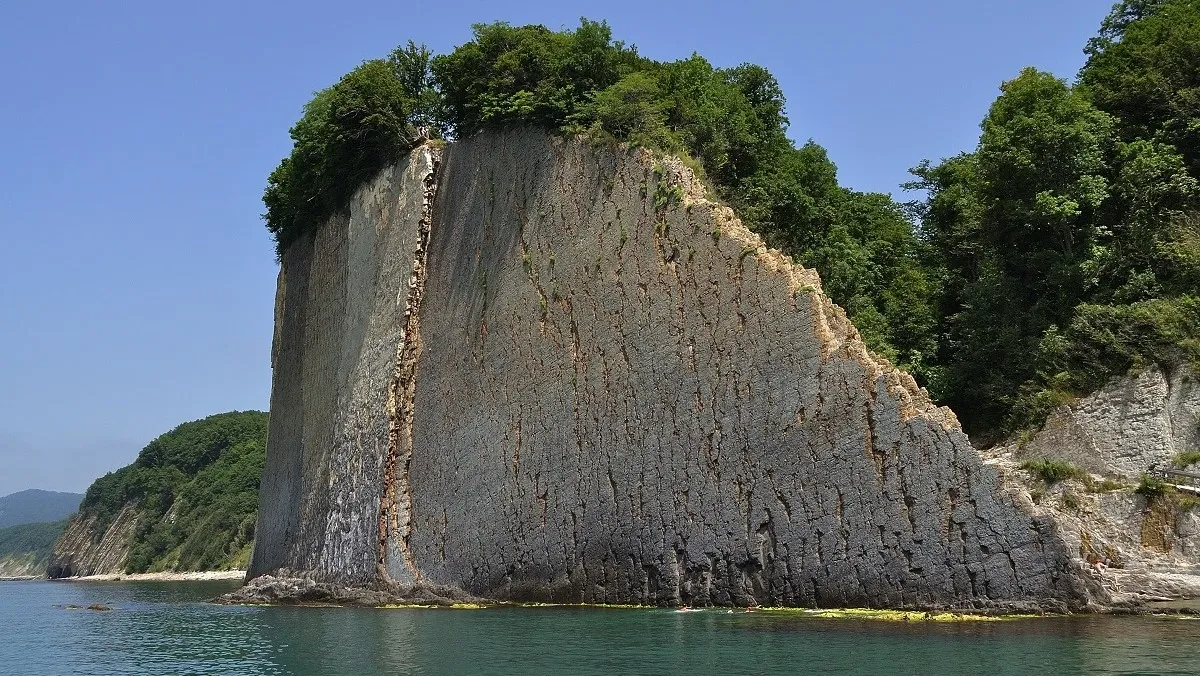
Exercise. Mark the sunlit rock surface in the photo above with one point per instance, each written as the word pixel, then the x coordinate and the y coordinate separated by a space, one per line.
pixel 534 369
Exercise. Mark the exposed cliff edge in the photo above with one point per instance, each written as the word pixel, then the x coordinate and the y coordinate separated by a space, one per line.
pixel 531 369
pixel 84 549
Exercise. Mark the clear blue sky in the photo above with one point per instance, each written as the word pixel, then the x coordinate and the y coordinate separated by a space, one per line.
pixel 137 281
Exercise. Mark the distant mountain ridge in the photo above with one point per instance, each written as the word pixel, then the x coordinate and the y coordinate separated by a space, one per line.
pixel 37 506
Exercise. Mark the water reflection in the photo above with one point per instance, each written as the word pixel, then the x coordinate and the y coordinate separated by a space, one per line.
pixel 165 628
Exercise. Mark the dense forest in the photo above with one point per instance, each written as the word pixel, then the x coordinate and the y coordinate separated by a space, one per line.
pixel 1062 250
pixel 195 490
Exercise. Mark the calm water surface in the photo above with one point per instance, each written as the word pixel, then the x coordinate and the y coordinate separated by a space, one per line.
pixel 167 628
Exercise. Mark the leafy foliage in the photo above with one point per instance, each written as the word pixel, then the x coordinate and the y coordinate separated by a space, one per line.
pixel 1063 250
pixel 1151 487
pixel 196 492
pixel 1066 245
pixel 347 134
pixel 1144 69
pixel 527 74
pixel 34 539
pixel 728 123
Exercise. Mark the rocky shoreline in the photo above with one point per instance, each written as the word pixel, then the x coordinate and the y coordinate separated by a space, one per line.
pixel 191 576
pixel 296 591
pixel 270 590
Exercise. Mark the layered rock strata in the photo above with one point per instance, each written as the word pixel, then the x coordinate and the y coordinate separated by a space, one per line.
pixel 530 369
pixel 1134 422
pixel 79 552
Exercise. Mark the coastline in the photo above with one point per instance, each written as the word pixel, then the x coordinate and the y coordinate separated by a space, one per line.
pixel 192 576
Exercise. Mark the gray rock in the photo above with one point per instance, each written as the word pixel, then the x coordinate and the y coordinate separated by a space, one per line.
pixel 1147 548
pixel 1133 422
pixel 531 369
pixel 81 550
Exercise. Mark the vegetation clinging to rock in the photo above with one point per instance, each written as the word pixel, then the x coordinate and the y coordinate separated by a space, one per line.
pixel 1064 250
pixel 347 133
pixel 195 489
pixel 1053 471
pixel 727 123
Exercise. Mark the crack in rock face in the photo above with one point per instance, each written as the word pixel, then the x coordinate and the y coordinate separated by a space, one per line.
pixel 530 369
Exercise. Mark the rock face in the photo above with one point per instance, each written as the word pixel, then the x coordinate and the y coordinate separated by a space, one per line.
pixel 78 553
pixel 1151 544
pixel 532 369
pixel 1132 423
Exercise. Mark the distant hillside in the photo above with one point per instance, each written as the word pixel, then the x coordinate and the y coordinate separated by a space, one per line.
pixel 34 506
pixel 189 502
pixel 25 549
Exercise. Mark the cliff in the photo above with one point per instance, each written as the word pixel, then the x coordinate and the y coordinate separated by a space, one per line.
pixel 533 369
pixel 1146 537
pixel 1136 421
pixel 188 503
pixel 88 547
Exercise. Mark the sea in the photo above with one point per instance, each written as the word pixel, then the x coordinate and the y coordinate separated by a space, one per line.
pixel 173 628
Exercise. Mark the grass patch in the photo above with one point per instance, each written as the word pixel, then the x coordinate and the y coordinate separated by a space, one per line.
pixel 1186 501
pixel 1053 471
pixel 1151 487
pixel 1156 490
pixel 1186 458
pixel 1070 501
pixel 1105 485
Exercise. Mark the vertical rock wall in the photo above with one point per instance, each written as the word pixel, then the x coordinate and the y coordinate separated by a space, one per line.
pixel 340 321
pixel 612 392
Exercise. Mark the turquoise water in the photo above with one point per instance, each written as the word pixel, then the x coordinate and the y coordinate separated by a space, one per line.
pixel 166 628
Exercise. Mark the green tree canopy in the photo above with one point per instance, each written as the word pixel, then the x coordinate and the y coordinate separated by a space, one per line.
pixel 347 133
pixel 204 473
pixel 1144 69
pixel 729 123
pixel 1063 249
pixel 1070 232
